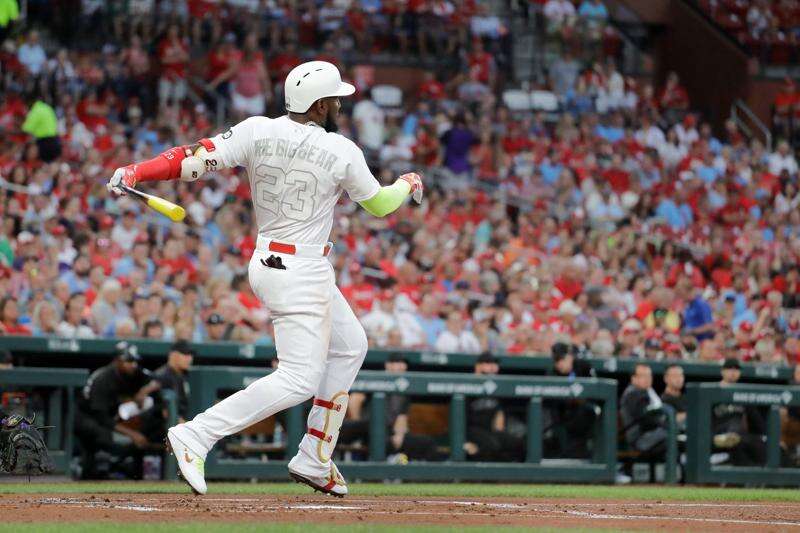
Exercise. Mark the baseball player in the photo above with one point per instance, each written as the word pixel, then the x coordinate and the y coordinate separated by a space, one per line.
pixel 298 167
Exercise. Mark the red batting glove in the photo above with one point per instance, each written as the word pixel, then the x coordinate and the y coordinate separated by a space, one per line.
pixel 122 176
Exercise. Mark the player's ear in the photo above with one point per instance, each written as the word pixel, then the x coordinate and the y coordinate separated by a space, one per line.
pixel 320 107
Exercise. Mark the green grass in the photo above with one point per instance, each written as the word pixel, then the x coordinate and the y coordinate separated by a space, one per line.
pixel 206 527
pixel 467 490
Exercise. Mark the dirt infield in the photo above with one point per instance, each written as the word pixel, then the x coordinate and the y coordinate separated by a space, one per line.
pixel 147 508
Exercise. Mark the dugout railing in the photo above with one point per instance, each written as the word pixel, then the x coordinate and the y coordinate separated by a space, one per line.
pixel 456 389
pixel 59 388
pixel 92 353
pixel 701 399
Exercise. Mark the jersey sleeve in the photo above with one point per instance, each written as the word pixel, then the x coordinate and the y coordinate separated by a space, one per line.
pixel 233 147
pixel 358 180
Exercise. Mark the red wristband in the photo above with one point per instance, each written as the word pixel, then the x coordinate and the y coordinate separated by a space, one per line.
pixel 165 166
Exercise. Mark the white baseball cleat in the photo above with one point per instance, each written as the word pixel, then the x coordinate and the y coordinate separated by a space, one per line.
pixel 191 465
pixel 333 484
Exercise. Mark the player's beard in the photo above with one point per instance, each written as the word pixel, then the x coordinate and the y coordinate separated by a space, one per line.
pixel 330 123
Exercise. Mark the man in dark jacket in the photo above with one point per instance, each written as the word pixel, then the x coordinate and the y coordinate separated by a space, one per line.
pixel 568 424
pixel 400 442
pixel 172 375
pixel 790 423
pixel 738 429
pixel 488 438
pixel 643 419
pixel 673 393
pixel 99 426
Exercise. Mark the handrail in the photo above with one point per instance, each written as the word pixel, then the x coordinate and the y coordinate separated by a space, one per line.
pixel 740 107
pixel 60 351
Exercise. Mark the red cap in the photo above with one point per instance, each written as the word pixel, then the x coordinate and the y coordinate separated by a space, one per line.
pixel 106 221
pixel 141 238
pixel 58 230
pixel 746 326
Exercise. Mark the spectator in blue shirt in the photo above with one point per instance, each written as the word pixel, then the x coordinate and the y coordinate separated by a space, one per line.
pixel 611 133
pixel 707 172
pixel 550 171
pixel 429 319
pixel 77 279
pixel 677 216
pixel 698 318
pixel 593 9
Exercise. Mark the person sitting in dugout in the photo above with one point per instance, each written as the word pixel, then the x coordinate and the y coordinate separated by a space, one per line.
pixel 105 431
pixel 401 444
pixel 488 438
pixel 568 424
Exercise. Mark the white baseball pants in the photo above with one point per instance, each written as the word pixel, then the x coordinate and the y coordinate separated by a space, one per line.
pixel 320 343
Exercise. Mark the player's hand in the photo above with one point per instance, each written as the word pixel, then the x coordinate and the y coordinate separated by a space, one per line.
pixel 122 176
pixel 139 440
pixel 417 188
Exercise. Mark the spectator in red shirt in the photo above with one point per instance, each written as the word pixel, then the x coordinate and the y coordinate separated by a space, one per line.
pixel 173 52
pixel 284 62
pixel 223 62
pixel 783 107
pixel 136 65
pixel 359 293
pixel 427 148
pixel 281 65
pixel 616 176
pixel 92 111
pixel 481 64
pixel 486 157
pixel 431 88
pixel 12 112
pixel 250 87
pixel 9 318
pixel 674 100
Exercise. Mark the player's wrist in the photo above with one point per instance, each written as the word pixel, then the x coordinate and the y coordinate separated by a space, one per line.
pixel 403 185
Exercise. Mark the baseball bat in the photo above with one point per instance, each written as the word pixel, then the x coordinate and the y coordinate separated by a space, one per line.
pixel 173 212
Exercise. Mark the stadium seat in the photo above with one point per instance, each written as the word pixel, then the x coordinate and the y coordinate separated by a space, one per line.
pixel 544 101
pixel 517 100
pixel 387 96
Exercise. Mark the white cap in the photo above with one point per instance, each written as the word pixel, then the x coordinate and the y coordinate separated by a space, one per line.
pixel 311 81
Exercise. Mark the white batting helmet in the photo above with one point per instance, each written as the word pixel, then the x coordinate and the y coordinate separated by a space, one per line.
pixel 311 81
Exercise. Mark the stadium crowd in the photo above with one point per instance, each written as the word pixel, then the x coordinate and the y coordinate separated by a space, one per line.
pixel 622 225
pixel 768 29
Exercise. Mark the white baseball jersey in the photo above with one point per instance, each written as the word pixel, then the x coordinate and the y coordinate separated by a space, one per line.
pixel 297 174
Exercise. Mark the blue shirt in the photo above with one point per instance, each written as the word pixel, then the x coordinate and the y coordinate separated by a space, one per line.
pixel 592 10
pixel 708 174
pixel 125 266
pixel 610 133
pixel 739 302
pixel 371 5
pixel 75 283
pixel 747 316
pixel 698 313
pixel 432 328
pixel 678 217
pixel 550 172
pixel 410 125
